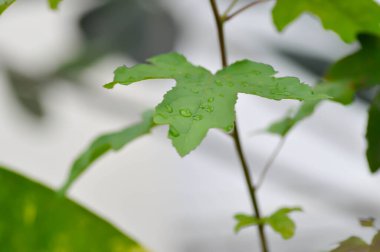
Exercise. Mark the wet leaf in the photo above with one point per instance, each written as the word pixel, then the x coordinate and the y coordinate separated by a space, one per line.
pixel 201 101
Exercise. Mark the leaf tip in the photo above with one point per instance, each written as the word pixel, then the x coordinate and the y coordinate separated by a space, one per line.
pixel 110 85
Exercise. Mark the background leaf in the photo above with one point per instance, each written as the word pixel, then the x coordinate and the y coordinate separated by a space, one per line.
pixel 4 4
pixel 103 144
pixel 352 244
pixel 373 135
pixel 343 17
pixel 54 4
pixel 361 67
pixel 34 218
pixel 375 245
pixel 201 101
pixel 138 29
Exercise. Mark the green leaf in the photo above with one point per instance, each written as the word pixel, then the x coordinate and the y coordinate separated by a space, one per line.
pixel 4 4
pixel 347 18
pixel 362 67
pixel 54 4
pixel 373 135
pixel 341 92
pixel 244 221
pixel 34 218
pixel 105 143
pixel 352 244
pixel 375 245
pixel 281 222
pixel 201 101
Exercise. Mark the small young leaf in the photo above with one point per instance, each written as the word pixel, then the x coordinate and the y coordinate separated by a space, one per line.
pixel 201 101
pixel 33 218
pixel 4 4
pixel 245 220
pixel 341 92
pixel 103 144
pixel 281 222
pixel 345 17
pixel 352 244
pixel 54 4
pixel 362 67
pixel 373 135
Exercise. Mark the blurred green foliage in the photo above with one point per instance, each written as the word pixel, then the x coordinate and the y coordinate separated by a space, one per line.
pixel 34 218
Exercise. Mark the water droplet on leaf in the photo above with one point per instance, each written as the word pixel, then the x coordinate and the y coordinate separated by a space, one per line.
pixel 229 128
pixel 169 108
pixel 185 112
pixel 173 132
pixel 197 117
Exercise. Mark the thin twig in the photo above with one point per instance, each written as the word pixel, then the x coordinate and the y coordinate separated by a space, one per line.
pixel 244 8
pixel 270 162
pixel 229 8
pixel 220 28
pixel 251 187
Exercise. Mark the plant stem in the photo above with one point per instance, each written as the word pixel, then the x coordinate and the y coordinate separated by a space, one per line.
pixel 220 28
pixel 244 8
pixel 270 162
pixel 251 189
pixel 248 179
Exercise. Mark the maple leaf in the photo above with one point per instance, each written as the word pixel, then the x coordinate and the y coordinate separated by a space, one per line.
pixel 201 100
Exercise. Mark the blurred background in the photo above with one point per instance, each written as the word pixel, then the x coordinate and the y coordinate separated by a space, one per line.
pixel 52 103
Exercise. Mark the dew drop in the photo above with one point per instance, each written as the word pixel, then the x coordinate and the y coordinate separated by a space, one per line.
pixel 169 108
pixel 229 128
pixel 185 112
pixel 173 132
pixel 197 117
pixel 207 108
